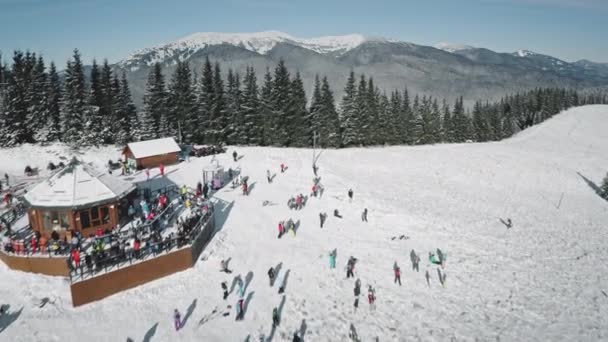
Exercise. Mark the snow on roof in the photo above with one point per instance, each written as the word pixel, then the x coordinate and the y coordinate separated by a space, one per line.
pixel 143 149
pixel 77 185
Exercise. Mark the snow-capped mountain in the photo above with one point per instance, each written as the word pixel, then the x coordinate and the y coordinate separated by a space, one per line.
pixel 450 47
pixel 258 42
pixel 444 71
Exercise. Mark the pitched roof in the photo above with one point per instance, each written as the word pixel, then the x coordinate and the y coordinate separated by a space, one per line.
pixel 77 185
pixel 143 149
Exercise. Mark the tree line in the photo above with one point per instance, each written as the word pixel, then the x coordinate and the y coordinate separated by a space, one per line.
pixel 36 106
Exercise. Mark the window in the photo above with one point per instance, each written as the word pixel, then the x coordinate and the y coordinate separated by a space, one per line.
pixel 55 220
pixel 85 220
pixel 105 215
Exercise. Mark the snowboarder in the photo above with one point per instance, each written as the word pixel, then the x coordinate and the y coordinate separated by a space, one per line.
pixel 177 319
pixel 275 317
pixel 234 155
pixel 268 176
pixel 350 195
pixel 433 259
pixel 271 275
pixel 397 272
pixel 337 213
pixel 332 258
pixel 322 218
pixel 225 288
pixel 428 278
pixel 161 167
pixel 364 215
pixel 415 260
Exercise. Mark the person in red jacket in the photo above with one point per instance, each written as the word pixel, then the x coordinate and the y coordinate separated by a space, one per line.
pixel 136 246
pixel 34 243
pixel 99 232
pixel 162 170
pixel 397 272
pixel 76 257
pixel 245 192
pixel 281 229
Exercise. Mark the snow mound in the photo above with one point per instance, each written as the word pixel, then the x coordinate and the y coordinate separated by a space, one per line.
pixel 541 280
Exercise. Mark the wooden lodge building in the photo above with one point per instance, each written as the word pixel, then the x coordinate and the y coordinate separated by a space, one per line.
pixel 79 198
pixel 152 153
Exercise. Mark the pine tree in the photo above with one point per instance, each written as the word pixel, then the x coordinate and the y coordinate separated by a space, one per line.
pixel 349 118
pixel 40 107
pixel 395 122
pixel 99 125
pixel 480 124
pixel 371 115
pixel 297 118
pixel 330 132
pixel 447 128
pixel 155 106
pixel 54 91
pixel 253 125
pixel 181 111
pixel 16 103
pixel 460 122
pixel 316 107
pixel 267 110
pixel 75 110
pixel 219 120
pixel 205 101
pixel 128 124
pixel 236 126
pixel 106 101
pixel 384 124
pixel 408 127
pixel 363 110
pixel 279 122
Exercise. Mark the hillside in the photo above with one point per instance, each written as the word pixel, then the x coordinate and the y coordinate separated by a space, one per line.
pixel 542 280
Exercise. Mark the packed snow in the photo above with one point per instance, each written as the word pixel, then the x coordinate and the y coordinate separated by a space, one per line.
pixel 543 279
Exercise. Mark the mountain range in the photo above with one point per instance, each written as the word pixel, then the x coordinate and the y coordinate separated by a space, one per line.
pixel 445 70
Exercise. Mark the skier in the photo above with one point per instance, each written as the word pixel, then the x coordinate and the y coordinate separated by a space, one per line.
pixel 245 189
pixel 357 290
pixel 281 229
pixel 239 309
pixel 234 155
pixel 332 258
pixel 371 297
pixel 322 218
pixel 433 259
pixel 441 257
pixel 282 167
pixel 428 278
pixel 415 260
pixel 225 288
pixel 299 202
pixel 268 176
pixel 161 167
pixel 275 317
pixel 397 271
pixel 271 275
pixel 350 195
pixel 314 190
pixel 177 319
pixel 364 215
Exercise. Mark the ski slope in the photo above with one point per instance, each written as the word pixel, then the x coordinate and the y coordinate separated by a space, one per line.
pixel 542 280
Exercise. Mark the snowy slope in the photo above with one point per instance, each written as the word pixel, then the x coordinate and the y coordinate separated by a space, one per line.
pixel 542 280
pixel 450 47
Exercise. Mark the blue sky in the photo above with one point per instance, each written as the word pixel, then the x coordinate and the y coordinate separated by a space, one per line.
pixel 568 29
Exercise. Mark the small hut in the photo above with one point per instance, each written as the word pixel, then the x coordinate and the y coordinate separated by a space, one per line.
pixel 213 174
pixel 152 153
pixel 78 198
